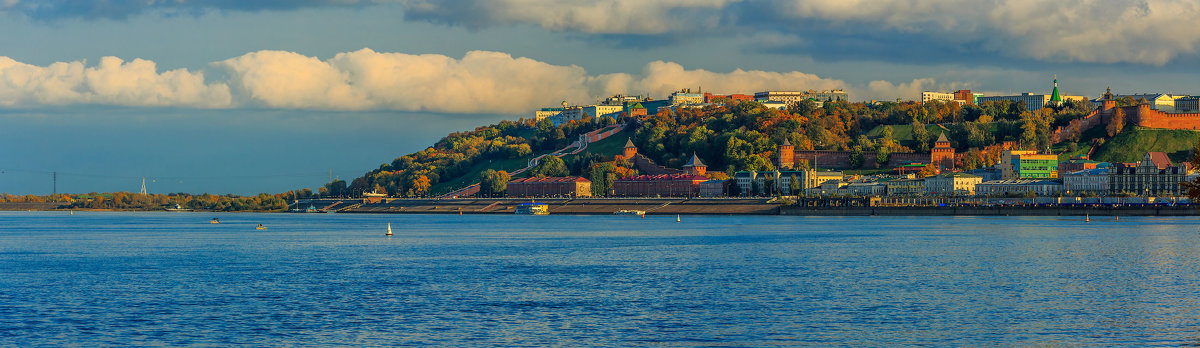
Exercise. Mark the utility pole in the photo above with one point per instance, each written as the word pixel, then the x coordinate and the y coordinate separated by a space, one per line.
pixel 55 180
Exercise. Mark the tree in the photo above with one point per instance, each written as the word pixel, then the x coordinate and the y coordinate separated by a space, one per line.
pixel 754 189
pixel 493 183
pixel 856 157
pixel 336 188
pixel 420 185
pixel 927 171
pixel 794 186
pixel 1116 123
pixel 550 166
pixel 920 136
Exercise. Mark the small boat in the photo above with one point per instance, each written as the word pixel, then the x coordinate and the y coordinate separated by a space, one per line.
pixel 630 212
pixel 260 227
pixel 215 221
pixel 389 233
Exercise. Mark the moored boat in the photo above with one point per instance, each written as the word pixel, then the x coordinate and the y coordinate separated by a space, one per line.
pixel 533 209
pixel 629 212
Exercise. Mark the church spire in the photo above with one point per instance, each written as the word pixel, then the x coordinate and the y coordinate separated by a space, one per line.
pixel 1055 98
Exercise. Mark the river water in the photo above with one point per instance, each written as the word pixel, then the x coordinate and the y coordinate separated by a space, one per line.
pixel 498 280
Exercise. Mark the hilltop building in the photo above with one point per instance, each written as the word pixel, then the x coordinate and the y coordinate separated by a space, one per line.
pixel 1034 102
pixel 686 97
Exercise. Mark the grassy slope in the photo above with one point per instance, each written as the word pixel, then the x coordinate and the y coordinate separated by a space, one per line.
pixel 1129 146
pixel 902 133
pixel 608 147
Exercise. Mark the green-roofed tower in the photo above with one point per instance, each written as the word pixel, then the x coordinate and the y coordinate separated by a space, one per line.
pixel 1055 98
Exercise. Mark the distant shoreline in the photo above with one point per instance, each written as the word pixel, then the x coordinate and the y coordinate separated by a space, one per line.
pixel 681 206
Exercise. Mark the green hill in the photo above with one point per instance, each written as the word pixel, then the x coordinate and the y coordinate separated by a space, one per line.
pixel 1129 146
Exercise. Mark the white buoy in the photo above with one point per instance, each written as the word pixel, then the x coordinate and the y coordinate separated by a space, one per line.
pixel 676 218
pixel 1087 218
pixel 389 229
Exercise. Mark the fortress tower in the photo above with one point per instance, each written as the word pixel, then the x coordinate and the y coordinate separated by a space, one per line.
pixel 787 155
pixel 694 166
pixel 630 150
pixel 942 154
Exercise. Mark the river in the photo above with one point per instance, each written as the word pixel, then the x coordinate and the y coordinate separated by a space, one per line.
pixel 96 278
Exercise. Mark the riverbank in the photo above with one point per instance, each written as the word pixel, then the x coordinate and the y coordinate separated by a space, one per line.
pixel 682 206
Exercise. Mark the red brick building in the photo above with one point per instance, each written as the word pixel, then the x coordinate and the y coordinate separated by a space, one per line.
pixel 695 166
pixel 665 185
pixel 787 155
pixel 572 186
pixel 708 97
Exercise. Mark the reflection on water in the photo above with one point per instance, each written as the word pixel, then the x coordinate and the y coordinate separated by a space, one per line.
pixel 321 279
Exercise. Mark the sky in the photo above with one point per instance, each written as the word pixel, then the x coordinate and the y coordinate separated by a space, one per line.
pixel 242 97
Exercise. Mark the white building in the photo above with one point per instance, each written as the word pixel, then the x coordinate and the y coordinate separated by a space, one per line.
pixel 928 96
pixel 1158 101
pixel 545 113
pixel 1187 104
pixel 952 184
pixel 1087 180
pixel 686 97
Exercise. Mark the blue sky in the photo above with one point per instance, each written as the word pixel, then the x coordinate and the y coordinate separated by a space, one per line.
pixel 243 97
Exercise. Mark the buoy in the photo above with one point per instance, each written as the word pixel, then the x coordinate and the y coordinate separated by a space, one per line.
pixel 1087 218
pixel 389 233
pixel 676 218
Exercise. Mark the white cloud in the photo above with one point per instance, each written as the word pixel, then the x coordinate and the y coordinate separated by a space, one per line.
pixel 481 82
pixel 113 82
pixel 588 16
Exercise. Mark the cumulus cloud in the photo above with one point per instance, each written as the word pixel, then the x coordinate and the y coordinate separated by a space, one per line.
pixel 588 16
pixel 481 82
pixel 112 81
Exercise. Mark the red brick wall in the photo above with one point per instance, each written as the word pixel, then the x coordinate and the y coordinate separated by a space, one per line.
pixel 1144 116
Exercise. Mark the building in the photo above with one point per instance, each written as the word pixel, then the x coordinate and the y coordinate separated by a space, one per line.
pixel 957 184
pixel 686 97
pixel 1077 164
pixel 714 188
pixel 1019 187
pixel 1024 164
pixel 1187 104
pixel 965 96
pixel 1035 102
pixel 986 173
pixel 1157 101
pixel 662 185
pixel 545 113
pixel 829 95
pixel 630 150
pixel 942 154
pixel 571 186
pixel 695 166
pixel 864 189
pixel 1155 175
pixel 906 187
pixel 928 96
pixel 791 97
pixel 709 97
pixel 1094 180
pixel 787 155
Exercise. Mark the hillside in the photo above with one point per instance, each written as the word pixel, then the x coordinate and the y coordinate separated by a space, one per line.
pixel 1129 146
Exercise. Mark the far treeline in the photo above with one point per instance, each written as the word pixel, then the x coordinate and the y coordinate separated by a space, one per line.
pixel 727 137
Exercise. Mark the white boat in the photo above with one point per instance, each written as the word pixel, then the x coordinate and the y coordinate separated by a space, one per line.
pixel 389 229
pixel 630 212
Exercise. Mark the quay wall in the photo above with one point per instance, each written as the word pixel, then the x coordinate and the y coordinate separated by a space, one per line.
pixel 993 211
